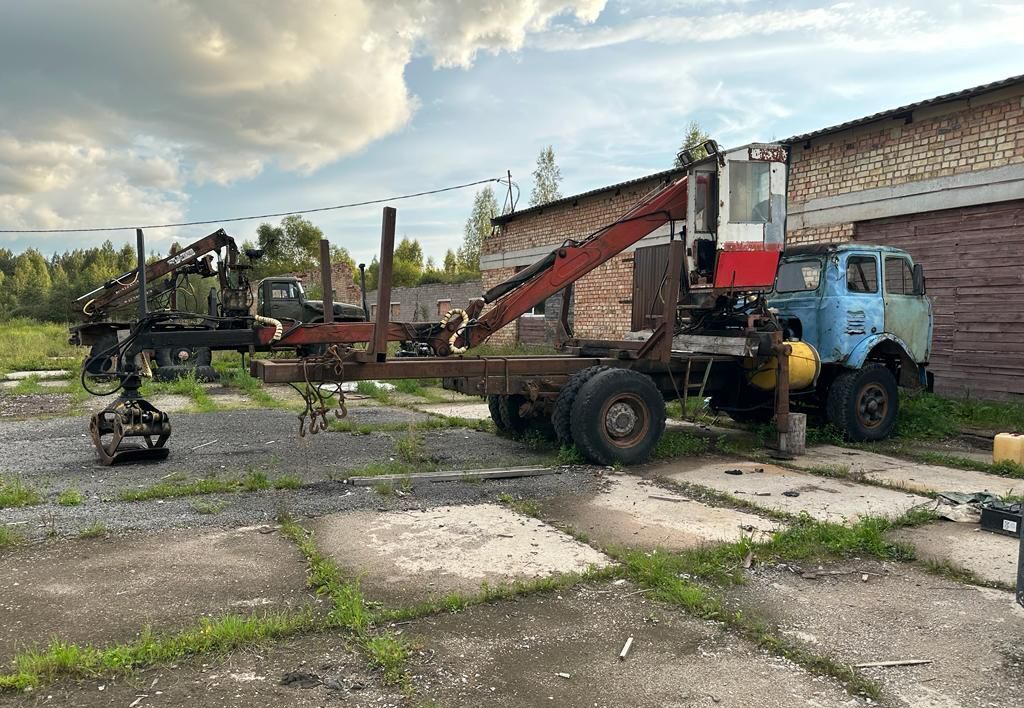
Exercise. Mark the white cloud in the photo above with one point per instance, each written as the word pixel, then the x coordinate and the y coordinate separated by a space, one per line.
pixel 112 109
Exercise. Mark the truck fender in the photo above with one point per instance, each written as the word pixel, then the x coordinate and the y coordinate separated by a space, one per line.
pixel 889 345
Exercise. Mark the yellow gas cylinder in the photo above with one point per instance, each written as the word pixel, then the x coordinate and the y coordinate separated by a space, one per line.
pixel 1009 447
pixel 804 367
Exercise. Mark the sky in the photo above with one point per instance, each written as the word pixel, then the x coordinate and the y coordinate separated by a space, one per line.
pixel 123 112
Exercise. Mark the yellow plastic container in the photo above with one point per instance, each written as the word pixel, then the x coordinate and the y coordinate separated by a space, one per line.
pixel 804 367
pixel 1008 447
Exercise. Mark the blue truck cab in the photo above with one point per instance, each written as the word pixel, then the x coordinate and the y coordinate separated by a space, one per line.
pixel 864 309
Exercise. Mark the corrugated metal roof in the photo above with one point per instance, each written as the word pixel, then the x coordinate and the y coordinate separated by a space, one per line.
pixel 505 218
pixel 944 98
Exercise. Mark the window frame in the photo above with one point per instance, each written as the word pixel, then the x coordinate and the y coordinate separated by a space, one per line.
pixel 734 169
pixel 801 262
pixel 864 257
pixel 907 276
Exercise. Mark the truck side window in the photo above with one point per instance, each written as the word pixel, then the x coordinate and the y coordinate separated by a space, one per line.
pixel 899 280
pixel 748 192
pixel 283 291
pixel 861 274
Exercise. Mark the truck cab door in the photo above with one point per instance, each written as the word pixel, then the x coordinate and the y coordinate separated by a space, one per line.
pixel 283 300
pixel 907 312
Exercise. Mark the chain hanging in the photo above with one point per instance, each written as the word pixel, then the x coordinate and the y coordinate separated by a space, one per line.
pixel 313 394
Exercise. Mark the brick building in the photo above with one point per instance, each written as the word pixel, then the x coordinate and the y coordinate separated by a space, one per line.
pixel 942 178
pixel 426 303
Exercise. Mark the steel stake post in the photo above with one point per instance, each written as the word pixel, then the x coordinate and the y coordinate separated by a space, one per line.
pixel 326 284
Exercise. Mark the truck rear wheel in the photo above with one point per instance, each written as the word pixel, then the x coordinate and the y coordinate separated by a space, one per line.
pixel 864 403
pixel 562 417
pixel 494 407
pixel 178 362
pixel 618 417
pixel 102 359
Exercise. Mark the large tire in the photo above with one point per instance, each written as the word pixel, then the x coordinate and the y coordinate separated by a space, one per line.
pixel 508 410
pixel 864 403
pixel 102 359
pixel 562 416
pixel 618 417
pixel 494 406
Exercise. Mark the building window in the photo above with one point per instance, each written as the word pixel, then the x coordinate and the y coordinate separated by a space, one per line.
pixel 749 193
pixel 396 310
pixel 443 306
pixel 861 274
pixel 899 280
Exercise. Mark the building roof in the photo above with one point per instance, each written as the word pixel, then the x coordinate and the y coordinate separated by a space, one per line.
pixel 505 218
pixel 901 110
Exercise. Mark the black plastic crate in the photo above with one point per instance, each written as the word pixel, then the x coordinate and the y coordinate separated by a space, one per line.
pixel 1002 518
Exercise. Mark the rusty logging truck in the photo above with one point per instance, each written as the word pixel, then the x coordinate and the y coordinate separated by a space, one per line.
pixel 838 327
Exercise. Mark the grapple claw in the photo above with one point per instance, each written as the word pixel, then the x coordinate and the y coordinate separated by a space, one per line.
pixel 112 428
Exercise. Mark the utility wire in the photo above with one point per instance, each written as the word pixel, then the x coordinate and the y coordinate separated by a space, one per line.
pixel 350 205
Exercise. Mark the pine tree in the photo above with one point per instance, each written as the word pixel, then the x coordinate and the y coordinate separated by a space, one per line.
pixel 694 141
pixel 478 228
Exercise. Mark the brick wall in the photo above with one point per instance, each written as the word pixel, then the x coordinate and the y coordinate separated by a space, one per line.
pixel 342 281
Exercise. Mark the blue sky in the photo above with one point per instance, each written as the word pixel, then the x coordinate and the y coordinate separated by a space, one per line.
pixel 127 112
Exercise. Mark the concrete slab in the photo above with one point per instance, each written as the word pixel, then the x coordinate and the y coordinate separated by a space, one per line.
pixel 469 411
pixel 823 498
pixel 637 513
pixel 405 557
pixel 913 476
pixel 240 679
pixel 991 556
pixel 511 654
pixel 972 635
pixel 102 591
pixel 50 374
pixel 172 402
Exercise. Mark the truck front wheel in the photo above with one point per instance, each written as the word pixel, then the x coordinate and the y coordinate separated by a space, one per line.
pixel 864 403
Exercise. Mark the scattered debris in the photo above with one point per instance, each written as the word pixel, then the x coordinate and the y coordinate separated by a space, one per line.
pixel 736 472
pixel 762 494
pixel 205 444
pixel 898 662
pixel 300 679
pixel 562 675
pixel 791 493
pixel 625 649
pixel 668 499
pixel 748 560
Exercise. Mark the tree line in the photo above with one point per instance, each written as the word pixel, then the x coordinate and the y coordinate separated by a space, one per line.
pixel 37 287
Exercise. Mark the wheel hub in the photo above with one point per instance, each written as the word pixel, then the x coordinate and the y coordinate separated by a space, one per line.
pixel 184 355
pixel 621 419
pixel 872 405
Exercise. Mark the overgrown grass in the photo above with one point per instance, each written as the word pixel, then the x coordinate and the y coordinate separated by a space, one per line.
pixel 434 422
pixel 374 390
pixel 96 529
pixel 9 537
pixel 70 497
pixel 213 506
pixel 14 492
pixel 187 386
pixel 1004 468
pixel 28 345
pixel 679 443
pixel 927 416
pixel 234 377
pixel 252 481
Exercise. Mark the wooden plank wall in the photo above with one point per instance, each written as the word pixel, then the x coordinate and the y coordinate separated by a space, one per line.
pixel 649 266
pixel 974 265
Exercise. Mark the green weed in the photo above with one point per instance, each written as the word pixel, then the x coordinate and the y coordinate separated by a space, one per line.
pixel 374 390
pixel 252 481
pixel 927 416
pixel 287 481
pixel 213 506
pixel 389 653
pixel 14 492
pixel 10 538
pixel 569 455
pixel 96 529
pixel 28 345
pixel 679 443
pixel 526 507
pixel 70 497
pixel 187 386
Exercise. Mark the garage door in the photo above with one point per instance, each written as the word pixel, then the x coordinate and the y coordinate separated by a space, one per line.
pixel 973 260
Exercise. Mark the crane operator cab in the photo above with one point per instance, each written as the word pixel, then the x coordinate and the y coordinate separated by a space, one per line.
pixel 736 219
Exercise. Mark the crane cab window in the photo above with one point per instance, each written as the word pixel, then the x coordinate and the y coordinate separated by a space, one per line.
pixel 284 291
pixel 749 196
pixel 705 202
pixel 861 274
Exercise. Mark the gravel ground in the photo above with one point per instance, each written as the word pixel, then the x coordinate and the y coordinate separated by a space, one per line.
pixel 56 454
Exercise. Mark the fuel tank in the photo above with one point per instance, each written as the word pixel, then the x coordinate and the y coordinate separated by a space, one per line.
pixel 804 367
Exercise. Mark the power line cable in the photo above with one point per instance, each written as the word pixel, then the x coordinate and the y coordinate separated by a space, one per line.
pixel 256 216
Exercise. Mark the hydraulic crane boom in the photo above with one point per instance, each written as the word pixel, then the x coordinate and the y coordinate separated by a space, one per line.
pixel 194 258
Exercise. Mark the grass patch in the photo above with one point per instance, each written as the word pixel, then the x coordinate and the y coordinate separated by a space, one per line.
pixel 434 422
pixel 679 443
pixel 1004 468
pixel 526 507
pixel 374 390
pixel 70 497
pixel 187 386
pixel 14 492
pixel 389 653
pixel 569 455
pixel 252 481
pixel 28 345
pixel 96 529
pixel 927 416
pixel 213 506
pixel 233 376
pixel 9 538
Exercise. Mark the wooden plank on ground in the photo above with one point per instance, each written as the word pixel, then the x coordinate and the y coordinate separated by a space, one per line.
pixel 453 476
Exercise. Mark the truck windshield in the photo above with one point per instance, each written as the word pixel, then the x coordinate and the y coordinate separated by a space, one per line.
pixel 798 276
